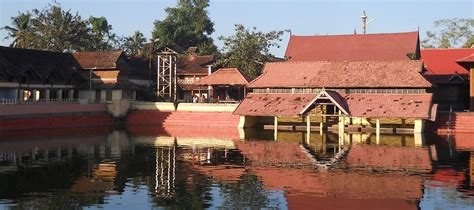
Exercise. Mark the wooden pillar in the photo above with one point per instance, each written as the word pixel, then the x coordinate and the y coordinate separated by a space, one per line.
pixel 275 128
pixel 308 128
pixel 377 131
pixel 419 125
pixel 321 126
pixel 341 128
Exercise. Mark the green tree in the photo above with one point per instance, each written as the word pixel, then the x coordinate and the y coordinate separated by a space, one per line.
pixel 134 45
pixel 20 31
pixel 187 25
pixel 248 50
pixel 59 30
pixel 450 33
pixel 102 38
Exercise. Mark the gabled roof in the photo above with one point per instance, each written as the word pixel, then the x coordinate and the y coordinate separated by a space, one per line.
pixel 225 76
pixel 98 60
pixel 193 64
pixel 334 97
pixel 338 74
pixel 353 47
pixel 444 61
pixel 273 104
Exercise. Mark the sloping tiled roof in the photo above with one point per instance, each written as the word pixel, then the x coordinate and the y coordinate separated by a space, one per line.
pixel 273 104
pixel 389 105
pixel 358 105
pixel 193 65
pixel 337 74
pixel 390 46
pixel 467 59
pixel 99 60
pixel 226 76
pixel 37 65
pixel 444 61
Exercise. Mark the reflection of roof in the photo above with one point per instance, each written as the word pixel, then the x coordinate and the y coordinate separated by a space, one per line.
pixel 222 173
pixel 273 104
pixel 356 74
pixel 389 157
pixel 353 47
pixel 99 60
pixel 226 76
pixel 356 104
pixel 444 61
pixel 274 153
pixel 193 64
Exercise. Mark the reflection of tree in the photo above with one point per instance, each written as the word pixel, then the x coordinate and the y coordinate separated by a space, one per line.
pixel 248 192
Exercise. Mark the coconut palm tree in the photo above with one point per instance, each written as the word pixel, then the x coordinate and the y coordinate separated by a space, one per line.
pixel 133 45
pixel 21 31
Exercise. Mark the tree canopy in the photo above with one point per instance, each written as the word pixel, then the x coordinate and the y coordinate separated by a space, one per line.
pixel 450 33
pixel 187 25
pixel 57 30
pixel 134 45
pixel 248 50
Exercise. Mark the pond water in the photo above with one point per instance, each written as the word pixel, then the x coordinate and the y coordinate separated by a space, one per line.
pixel 197 168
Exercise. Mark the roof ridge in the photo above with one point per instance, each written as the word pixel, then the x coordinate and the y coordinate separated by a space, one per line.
pixel 393 33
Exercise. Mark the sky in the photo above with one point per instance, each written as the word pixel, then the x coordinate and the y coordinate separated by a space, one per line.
pixel 302 17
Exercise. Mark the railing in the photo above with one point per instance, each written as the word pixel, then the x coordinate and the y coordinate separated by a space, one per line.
pixel 4 101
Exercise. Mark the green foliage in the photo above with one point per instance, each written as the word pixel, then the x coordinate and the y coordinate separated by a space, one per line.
pixel 57 30
pixel 451 33
pixel 102 38
pixel 187 25
pixel 248 50
pixel 134 45
pixel 20 30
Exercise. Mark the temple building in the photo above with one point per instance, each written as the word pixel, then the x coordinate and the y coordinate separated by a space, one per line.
pixel 107 74
pixel 34 75
pixel 468 63
pixel 449 76
pixel 228 85
pixel 343 81
pixel 190 68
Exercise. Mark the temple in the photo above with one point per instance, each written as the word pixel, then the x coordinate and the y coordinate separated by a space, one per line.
pixel 370 81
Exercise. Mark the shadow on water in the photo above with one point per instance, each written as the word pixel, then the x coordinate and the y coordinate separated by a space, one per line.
pixel 193 168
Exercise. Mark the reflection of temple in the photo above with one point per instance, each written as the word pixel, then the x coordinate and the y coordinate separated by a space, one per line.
pixel 170 169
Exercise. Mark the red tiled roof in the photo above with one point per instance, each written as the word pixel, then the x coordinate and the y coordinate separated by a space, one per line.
pixel 337 74
pixel 389 105
pixel 99 60
pixel 193 65
pixel 273 104
pixel 353 47
pixel 468 59
pixel 357 104
pixel 226 76
pixel 444 61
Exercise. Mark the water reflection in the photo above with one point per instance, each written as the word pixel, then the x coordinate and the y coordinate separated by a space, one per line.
pixel 148 167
